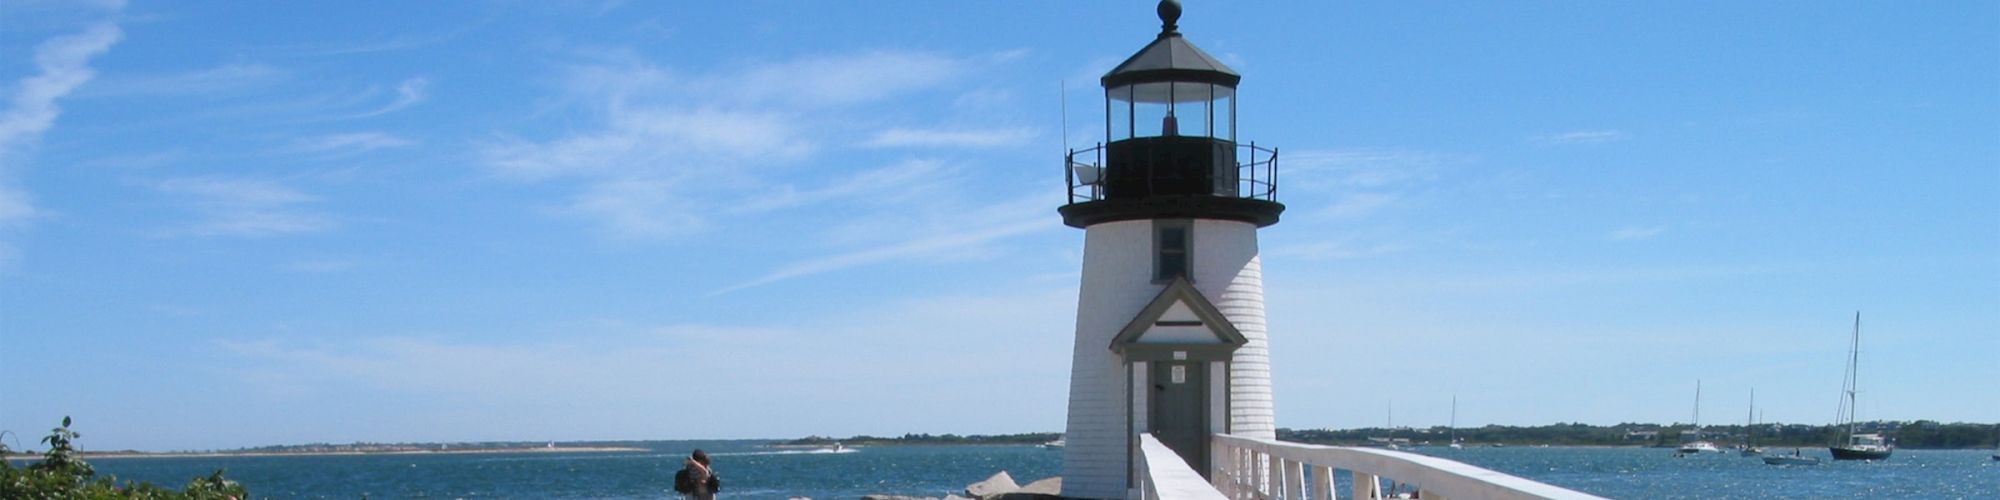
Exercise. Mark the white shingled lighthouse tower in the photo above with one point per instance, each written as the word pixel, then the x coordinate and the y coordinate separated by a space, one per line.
pixel 1170 337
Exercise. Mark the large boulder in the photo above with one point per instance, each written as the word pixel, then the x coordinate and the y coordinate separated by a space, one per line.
pixel 999 484
pixel 1051 486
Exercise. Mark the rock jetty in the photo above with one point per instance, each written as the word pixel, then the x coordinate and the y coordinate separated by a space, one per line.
pixel 999 487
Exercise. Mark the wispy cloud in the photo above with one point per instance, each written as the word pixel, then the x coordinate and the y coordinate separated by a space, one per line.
pixel 243 207
pixel 1358 183
pixel 838 80
pixel 391 44
pixel 651 142
pixel 318 265
pixel 900 250
pixel 989 138
pixel 1359 204
pixel 893 182
pixel 408 93
pixel 958 236
pixel 63 64
pixel 1332 250
pixel 212 80
pixel 1636 233
pixel 1363 168
pixel 350 142
pixel 15 205
pixel 637 209
pixel 672 147
pixel 602 364
pixel 1580 137
pixel 1514 282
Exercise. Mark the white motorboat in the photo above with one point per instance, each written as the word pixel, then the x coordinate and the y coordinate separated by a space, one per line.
pixel 1695 447
pixel 1692 443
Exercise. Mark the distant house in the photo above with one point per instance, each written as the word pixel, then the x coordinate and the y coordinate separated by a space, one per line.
pixel 1642 435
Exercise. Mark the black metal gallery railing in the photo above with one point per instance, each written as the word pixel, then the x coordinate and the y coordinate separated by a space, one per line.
pixel 1089 177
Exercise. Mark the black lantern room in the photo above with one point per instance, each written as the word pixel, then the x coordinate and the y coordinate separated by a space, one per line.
pixel 1170 146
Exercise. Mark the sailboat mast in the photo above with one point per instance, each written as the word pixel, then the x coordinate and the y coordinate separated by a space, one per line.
pixel 1750 420
pixel 1697 406
pixel 1854 374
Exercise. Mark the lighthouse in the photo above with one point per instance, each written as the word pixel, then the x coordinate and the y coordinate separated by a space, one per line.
pixel 1170 332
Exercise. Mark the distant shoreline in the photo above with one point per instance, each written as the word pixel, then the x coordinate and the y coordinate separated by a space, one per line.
pixel 219 454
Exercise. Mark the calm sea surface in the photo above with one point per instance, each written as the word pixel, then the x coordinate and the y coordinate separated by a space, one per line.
pixel 751 471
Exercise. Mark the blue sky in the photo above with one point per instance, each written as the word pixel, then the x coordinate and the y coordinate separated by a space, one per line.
pixel 227 224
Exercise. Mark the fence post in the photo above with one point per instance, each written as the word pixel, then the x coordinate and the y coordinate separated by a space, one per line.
pixel 1322 483
pixel 1295 480
pixel 1366 486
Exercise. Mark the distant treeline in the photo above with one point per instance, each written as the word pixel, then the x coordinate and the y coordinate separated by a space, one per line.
pixel 920 439
pixel 1906 434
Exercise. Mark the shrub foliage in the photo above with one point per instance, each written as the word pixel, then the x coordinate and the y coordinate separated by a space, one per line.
pixel 62 474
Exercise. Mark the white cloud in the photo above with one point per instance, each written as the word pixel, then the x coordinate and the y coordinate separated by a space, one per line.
pixel 243 207
pixel 1357 183
pixel 227 76
pixel 1362 168
pixel 839 80
pixel 672 148
pixel 408 93
pixel 989 138
pixel 15 206
pixel 1636 233
pixel 652 142
pixel 1581 137
pixel 63 63
pixel 1359 204
pixel 358 142
pixel 614 370
pixel 318 265
pixel 1331 250
pixel 637 208
pixel 397 43
pixel 964 232
pixel 895 182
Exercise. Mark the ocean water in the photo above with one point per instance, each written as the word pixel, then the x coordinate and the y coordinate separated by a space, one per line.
pixel 752 471
pixel 747 468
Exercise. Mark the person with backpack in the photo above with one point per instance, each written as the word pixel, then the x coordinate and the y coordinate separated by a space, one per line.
pixel 696 481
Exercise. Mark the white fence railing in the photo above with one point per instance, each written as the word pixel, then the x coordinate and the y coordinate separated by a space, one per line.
pixel 1164 475
pixel 1266 469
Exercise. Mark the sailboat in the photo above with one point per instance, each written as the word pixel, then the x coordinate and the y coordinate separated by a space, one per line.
pixel 1750 448
pixel 1698 445
pixel 1859 446
pixel 1390 441
pixel 1455 444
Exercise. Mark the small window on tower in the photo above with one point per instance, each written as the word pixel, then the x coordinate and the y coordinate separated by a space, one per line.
pixel 1170 245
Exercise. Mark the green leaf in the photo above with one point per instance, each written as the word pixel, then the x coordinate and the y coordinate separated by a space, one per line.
pixel 65 420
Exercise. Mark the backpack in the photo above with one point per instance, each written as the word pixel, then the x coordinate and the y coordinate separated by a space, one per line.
pixel 683 482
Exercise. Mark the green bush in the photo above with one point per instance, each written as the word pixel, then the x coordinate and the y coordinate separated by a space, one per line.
pixel 63 475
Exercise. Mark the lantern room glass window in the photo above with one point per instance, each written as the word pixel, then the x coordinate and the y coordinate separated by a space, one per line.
pixel 1170 109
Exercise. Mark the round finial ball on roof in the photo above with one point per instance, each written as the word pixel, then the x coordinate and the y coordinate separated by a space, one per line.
pixel 1170 12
